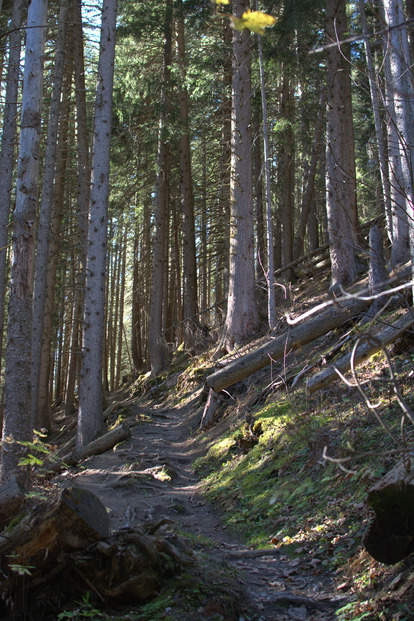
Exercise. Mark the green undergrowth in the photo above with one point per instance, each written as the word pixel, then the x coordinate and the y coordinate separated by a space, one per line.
pixel 283 492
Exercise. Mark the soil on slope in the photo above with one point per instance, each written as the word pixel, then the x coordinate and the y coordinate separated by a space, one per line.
pixel 150 477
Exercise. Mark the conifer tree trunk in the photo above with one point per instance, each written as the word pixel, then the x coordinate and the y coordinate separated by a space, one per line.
pixel 42 242
pixel 90 418
pixel 186 186
pixel 7 146
pixel 242 319
pixel 340 161
pixel 44 417
pixel 271 305
pixel 379 133
pixel 258 193
pixel 223 202
pixel 286 175
pixel 17 419
pixel 156 344
pixel 309 190
pixel 83 170
pixel 400 131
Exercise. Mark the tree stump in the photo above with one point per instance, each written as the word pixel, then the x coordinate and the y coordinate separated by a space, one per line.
pixel 390 537
pixel 72 521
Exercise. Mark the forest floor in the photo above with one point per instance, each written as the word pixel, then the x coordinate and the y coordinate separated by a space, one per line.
pixel 273 529
pixel 151 477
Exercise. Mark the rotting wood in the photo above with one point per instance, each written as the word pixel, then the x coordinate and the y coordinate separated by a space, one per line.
pixel 291 340
pixel 363 352
pixel 210 409
pixel 65 548
pixel 71 521
pixel 390 538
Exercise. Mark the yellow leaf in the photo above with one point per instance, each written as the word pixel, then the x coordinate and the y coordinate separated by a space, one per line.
pixel 255 21
pixel 222 1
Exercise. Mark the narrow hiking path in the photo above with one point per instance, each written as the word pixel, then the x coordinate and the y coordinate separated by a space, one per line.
pixel 150 478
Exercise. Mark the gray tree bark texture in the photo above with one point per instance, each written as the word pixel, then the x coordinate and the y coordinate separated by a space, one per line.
pixel 8 142
pixel 190 305
pixel 46 202
pixel 400 130
pixel 242 318
pixel 90 417
pixel 340 158
pixel 156 341
pixel 17 420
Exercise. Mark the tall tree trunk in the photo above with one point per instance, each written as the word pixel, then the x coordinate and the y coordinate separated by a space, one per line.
pixel 401 132
pixel 7 147
pixel 83 169
pixel 258 194
pixel 340 173
pixel 157 345
pixel 287 174
pixel 90 417
pixel 271 306
pixel 308 195
pixel 17 420
pixel 44 417
pixel 186 186
pixel 242 318
pixel 42 243
pixel 379 133
pixel 121 310
pixel 223 202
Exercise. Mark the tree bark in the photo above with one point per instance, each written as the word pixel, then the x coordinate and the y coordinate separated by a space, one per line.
pixel 8 142
pixel 44 415
pixel 340 158
pixel 90 383
pixel 17 422
pixel 271 303
pixel 190 305
pixel 156 341
pixel 83 170
pixel 42 242
pixel 401 133
pixel 242 318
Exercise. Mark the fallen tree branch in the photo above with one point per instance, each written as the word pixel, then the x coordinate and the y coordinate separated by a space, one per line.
pixel 291 340
pixel 365 351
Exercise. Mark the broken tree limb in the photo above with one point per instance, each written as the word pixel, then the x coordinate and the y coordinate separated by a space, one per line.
pixel 291 340
pixel 210 409
pixel 390 537
pixel 107 441
pixel 364 351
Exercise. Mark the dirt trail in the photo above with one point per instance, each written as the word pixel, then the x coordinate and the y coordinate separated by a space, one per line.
pixel 151 477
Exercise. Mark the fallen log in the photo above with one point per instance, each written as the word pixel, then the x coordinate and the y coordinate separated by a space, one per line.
pixel 363 352
pixel 390 538
pixel 291 340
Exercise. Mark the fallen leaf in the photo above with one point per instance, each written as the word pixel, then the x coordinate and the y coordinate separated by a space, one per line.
pixel 255 21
